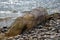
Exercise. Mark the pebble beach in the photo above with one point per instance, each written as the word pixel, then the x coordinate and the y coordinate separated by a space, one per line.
pixel 50 30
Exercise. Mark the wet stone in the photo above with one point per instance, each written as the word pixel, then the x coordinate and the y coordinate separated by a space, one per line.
pixel 4 30
pixel 5 27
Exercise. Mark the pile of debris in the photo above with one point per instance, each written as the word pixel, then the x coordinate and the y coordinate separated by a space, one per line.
pixel 49 31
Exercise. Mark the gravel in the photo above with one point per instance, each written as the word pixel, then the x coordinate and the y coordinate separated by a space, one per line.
pixel 49 31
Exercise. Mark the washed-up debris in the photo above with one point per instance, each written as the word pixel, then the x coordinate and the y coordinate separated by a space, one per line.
pixel 49 31
pixel 27 21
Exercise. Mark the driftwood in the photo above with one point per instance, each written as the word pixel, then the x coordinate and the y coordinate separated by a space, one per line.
pixel 26 22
